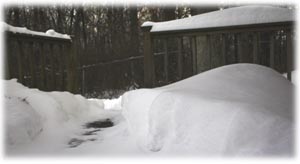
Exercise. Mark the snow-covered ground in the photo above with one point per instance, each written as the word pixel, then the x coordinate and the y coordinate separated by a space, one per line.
pixel 44 123
pixel 236 110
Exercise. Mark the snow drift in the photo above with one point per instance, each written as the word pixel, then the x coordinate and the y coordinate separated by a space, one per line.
pixel 33 118
pixel 235 110
pixel 22 114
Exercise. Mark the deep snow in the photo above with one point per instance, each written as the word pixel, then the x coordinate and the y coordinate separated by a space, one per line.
pixel 50 119
pixel 235 110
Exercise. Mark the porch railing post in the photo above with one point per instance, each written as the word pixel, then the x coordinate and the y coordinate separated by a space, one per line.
pixel 149 77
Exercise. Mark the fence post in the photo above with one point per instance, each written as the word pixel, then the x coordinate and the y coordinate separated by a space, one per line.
pixel 52 70
pixel 19 58
pixel 69 69
pixel 61 62
pixel 208 40
pixel 289 60
pixel 239 46
pixel 42 66
pixel 180 57
pixel 194 54
pixel 72 80
pixel 7 58
pixel 83 82
pixel 149 77
pixel 31 57
pixel 223 49
pixel 255 48
pixel 166 61
pixel 272 46
pixel 236 47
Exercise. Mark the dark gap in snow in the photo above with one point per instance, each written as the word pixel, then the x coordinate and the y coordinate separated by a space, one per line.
pixel 92 132
pixel 100 124
pixel 74 142
pixel 8 97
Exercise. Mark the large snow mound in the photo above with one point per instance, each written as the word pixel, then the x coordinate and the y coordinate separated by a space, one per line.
pixel 235 110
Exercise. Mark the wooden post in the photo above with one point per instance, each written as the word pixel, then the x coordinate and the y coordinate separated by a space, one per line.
pixel 149 76
pixel 289 54
pixel 236 47
pixel 166 61
pixel 272 49
pixel 240 51
pixel 42 66
pixel 223 49
pixel 72 68
pixel 31 57
pixel 83 82
pixel 194 54
pixel 208 40
pixel 76 65
pixel 179 43
pixel 255 48
pixel 19 58
pixel 61 68
pixel 70 71
pixel 52 73
pixel 7 56
pixel 203 53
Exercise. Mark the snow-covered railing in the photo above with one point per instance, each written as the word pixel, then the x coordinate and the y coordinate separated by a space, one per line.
pixel 246 34
pixel 23 30
pixel 236 16
pixel 44 60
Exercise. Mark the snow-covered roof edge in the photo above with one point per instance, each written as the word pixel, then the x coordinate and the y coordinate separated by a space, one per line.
pixel 24 30
pixel 236 16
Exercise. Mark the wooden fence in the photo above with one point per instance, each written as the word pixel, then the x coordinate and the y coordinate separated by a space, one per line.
pixel 54 64
pixel 46 63
pixel 172 56
pixel 108 78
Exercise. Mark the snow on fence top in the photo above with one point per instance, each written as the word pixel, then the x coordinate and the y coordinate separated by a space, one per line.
pixel 243 15
pixel 24 30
